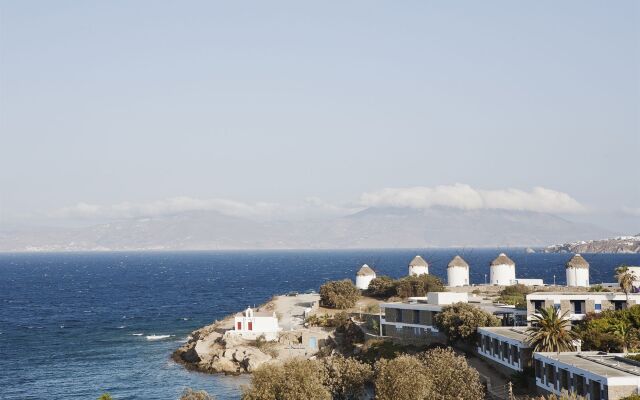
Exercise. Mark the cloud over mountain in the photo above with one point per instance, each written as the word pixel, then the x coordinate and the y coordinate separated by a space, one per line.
pixel 465 197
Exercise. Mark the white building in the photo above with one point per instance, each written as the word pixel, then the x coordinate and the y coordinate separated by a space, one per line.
pixel 458 272
pixel 577 271
pixel 577 304
pixel 364 276
pixel 502 271
pixel 418 266
pixel 529 282
pixel 592 375
pixel 251 324
pixel 505 346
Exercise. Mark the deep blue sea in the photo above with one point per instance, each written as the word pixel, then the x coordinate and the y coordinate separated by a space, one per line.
pixel 67 320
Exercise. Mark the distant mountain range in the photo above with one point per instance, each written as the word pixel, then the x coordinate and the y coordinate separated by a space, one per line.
pixel 621 244
pixel 370 228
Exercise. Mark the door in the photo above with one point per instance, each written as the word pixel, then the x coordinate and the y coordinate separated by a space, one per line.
pixel 250 326
pixel 239 326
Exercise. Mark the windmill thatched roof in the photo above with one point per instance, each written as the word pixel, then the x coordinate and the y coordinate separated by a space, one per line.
pixel 577 261
pixel 502 259
pixel 418 262
pixel 365 270
pixel 458 262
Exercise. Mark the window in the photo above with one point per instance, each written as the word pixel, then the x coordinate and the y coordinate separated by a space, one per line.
pixel 538 367
pixel 556 306
pixel 537 304
pixel 416 316
pixel 598 307
pixel 577 307
pixel 239 326
pixel 398 315
pixel 619 304
pixel 250 326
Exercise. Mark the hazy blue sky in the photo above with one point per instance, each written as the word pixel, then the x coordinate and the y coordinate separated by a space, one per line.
pixel 136 102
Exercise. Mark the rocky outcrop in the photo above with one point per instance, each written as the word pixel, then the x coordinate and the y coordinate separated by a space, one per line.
pixel 622 244
pixel 209 351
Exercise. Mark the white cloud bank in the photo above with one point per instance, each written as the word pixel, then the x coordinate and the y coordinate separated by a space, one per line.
pixel 467 198
pixel 458 196
pixel 165 207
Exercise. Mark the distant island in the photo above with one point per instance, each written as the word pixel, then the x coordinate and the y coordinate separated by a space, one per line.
pixel 620 244
pixel 375 227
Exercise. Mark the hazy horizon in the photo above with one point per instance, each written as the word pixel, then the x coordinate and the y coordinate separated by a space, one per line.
pixel 290 111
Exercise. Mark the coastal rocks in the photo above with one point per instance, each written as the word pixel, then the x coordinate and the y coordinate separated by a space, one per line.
pixel 209 351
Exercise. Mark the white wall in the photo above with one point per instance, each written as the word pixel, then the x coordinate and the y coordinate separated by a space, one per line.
pixel 578 277
pixel 502 274
pixel 418 270
pixel 457 276
pixel 363 281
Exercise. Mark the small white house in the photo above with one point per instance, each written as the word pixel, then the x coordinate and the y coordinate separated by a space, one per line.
pixel 364 276
pixel 250 325
pixel 502 271
pixel 458 272
pixel 418 266
pixel 577 271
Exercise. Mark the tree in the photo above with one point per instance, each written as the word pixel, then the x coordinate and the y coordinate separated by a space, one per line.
pixel 625 278
pixel 452 377
pixel 460 321
pixel 295 379
pixel 381 287
pixel 551 331
pixel 190 394
pixel 418 285
pixel 402 378
pixel 339 294
pixel 346 377
pixel 625 332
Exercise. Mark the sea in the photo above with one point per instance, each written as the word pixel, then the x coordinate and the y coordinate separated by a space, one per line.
pixel 76 325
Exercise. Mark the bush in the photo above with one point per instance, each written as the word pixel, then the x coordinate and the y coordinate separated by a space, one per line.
pixel 190 394
pixel 597 331
pixel 295 379
pixel 402 378
pixel 381 287
pixel 346 377
pixel 339 294
pixel 452 377
pixel 515 295
pixel 460 321
pixel 105 396
pixel 418 286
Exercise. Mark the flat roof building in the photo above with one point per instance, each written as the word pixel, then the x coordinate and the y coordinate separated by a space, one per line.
pixel 507 347
pixel 578 304
pixel 593 375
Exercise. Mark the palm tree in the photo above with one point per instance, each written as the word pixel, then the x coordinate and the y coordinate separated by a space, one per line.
pixel 624 330
pixel 625 279
pixel 550 331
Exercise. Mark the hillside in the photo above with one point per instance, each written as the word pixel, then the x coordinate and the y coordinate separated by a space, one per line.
pixel 621 244
pixel 370 228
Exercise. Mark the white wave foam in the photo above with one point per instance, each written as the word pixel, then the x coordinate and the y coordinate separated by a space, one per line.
pixel 158 337
pixel 137 334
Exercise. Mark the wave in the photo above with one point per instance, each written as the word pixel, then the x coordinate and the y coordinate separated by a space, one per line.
pixel 157 337
pixel 137 334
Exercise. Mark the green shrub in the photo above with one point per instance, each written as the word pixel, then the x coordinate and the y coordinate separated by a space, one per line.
pixel 381 287
pixel 460 321
pixel 418 286
pixel 339 294
pixel 515 295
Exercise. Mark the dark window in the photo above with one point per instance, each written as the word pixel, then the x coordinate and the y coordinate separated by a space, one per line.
pixel 598 307
pixel 398 315
pixel 538 367
pixel 577 306
pixel 537 304
pixel 416 316
pixel 619 304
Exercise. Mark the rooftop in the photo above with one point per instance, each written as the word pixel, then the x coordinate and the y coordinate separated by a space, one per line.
pixel 458 262
pixel 418 261
pixel 502 259
pixel 577 261
pixel 599 363
pixel 365 270
pixel 517 333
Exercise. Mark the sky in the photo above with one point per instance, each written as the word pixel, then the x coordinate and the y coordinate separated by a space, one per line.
pixel 127 108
